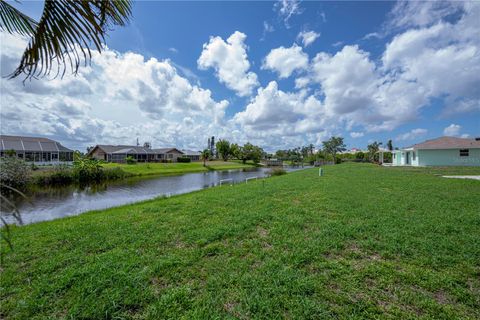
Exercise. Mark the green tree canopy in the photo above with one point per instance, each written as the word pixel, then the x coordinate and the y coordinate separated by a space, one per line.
pixel 223 149
pixel 333 146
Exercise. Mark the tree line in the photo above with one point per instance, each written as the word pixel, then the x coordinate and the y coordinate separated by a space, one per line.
pixel 225 150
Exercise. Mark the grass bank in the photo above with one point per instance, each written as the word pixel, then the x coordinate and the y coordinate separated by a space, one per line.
pixel 363 241
pixel 175 168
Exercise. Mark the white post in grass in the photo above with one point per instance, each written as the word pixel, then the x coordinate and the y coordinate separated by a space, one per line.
pixel 320 172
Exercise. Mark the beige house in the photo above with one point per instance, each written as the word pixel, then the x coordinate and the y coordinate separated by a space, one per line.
pixel 119 153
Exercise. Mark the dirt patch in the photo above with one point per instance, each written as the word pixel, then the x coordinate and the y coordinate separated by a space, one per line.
pixel 262 232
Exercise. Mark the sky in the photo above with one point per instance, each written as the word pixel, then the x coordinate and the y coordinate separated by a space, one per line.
pixel 277 74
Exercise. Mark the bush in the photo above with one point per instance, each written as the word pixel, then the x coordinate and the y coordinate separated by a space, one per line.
pixel 14 172
pixel 86 169
pixel 131 160
pixel 183 159
pixel 61 174
pixel 114 174
pixel 277 172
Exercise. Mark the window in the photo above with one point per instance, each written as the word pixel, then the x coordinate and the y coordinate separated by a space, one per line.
pixel 413 155
pixel 394 156
pixel 464 152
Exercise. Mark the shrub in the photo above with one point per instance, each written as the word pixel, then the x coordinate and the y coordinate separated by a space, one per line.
pixel 114 174
pixel 130 160
pixel 183 159
pixel 277 172
pixel 86 169
pixel 61 174
pixel 14 172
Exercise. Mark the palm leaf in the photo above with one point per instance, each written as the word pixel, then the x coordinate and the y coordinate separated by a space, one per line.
pixel 13 21
pixel 66 32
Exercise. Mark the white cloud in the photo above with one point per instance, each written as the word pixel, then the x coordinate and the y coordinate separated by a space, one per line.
pixel 407 14
pixel 230 61
pixel 119 98
pixel 452 130
pixel 173 50
pixel 267 28
pixel 287 9
pixel 372 35
pixel 356 134
pixel 286 60
pixel 412 134
pixel 307 37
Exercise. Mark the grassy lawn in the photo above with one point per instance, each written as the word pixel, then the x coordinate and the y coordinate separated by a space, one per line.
pixel 174 168
pixel 363 241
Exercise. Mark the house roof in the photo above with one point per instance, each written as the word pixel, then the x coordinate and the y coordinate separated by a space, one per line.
pixel 447 143
pixel 34 144
pixel 191 153
pixel 122 149
pixel 166 150
pixel 125 149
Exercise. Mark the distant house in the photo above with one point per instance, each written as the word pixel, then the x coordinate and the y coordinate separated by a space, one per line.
pixel 443 151
pixel 35 149
pixel 192 155
pixel 118 153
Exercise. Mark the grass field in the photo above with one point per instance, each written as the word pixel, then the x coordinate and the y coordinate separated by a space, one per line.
pixel 176 168
pixel 363 241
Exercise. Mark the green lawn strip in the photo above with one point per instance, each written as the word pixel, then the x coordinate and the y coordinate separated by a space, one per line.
pixel 362 241
pixel 175 168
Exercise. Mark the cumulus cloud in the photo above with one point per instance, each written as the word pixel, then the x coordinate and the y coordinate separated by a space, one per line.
pixel 119 98
pixel 230 61
pixel 452 130
pixel 307 37
pixel 412 134
pixel 285 61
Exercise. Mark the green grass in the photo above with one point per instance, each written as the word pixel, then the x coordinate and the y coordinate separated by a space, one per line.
pixel 362 241
pixel 175 168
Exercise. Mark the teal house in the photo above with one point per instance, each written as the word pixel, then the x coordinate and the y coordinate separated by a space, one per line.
pixel 443 151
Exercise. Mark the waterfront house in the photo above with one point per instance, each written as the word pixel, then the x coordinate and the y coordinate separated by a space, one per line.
pixel 35 149
pixel 192 155
pixel 443 151
pixel 119 153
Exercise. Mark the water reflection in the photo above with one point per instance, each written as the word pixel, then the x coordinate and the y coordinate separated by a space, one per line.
pixel 56 202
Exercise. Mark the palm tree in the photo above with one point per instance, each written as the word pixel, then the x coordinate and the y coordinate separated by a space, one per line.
pixel 65 34
pixel 205 155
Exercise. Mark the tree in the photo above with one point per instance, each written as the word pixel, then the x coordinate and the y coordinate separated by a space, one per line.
pixel 234 150
pixel 251 152
pixel 389 145
pixel 65 34
pixel 212 147
pixel 223 148
pixel 205 154
pixel 333 146
pixel 373 149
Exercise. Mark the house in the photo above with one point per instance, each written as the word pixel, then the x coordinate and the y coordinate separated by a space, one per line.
pixel 443 151
pixel 168 154
pixel 119 153
pixel 35 149
pixel 192 155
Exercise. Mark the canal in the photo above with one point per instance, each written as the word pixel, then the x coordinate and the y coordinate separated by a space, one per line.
pixel 57 202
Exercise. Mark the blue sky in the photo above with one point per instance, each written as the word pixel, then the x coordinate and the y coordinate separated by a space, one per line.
pixel 371 71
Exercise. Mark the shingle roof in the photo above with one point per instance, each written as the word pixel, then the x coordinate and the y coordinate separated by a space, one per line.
pixel 166 150
pixel 448 143
pixel 36 144
pixel 191 152
pixel 123 149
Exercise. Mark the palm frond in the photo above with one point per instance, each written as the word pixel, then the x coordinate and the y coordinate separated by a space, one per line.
pixel 66 32
pixel 14 21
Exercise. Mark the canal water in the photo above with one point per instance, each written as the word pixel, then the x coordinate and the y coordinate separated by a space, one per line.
pixel 52 203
